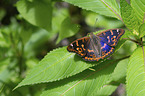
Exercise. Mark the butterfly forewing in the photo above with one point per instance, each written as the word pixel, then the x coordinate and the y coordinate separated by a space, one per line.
pixel 111 37
pixel 79 46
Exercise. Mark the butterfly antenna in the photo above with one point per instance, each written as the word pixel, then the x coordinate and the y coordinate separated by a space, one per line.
pixel 95 23
pixel 94 26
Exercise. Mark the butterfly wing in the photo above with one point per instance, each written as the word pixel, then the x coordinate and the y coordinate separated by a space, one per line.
pixel 79 46
pixel 111 37
pixel 97 49
pixel 98 46
pixel 106 50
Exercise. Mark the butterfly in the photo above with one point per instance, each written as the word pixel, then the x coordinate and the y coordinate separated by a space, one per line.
pixel 96 47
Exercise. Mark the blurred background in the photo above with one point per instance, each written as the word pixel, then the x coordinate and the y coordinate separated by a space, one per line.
pixel 23 45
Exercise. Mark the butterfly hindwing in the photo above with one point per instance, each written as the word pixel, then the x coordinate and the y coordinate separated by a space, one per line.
pixel 106 49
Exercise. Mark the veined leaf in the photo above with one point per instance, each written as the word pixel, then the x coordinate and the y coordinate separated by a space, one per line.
pixel 142 30
pixel 35 41
pixel 56 65
pixel 103 7
pixel 38 13
pixel 58 16
pixel 136 73
pixel 119 73
pixel 128 16
pixel 107 90
pixel 83 84
pixel 67 29
pixel 139 8
pixel 127 34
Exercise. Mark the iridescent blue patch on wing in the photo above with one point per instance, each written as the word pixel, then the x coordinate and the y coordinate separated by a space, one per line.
pixel 111 37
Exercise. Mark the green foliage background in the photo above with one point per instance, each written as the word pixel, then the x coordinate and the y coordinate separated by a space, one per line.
pixel 33 39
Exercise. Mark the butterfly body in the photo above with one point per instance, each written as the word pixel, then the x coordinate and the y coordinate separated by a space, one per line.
pixel 97 46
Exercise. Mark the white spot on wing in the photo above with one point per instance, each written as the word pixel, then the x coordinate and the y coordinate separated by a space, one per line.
pixel 117 30
pixel 71 45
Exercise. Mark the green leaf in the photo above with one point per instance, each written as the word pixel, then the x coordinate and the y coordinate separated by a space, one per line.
pixel 67 29
pixel 86 83
pixel 4 37
pixel 136 73
pixel 128 33
pixel 142 30
pixel 56 65
pixel 139 8
pixel 103 21
pixel 119 73
pixel 36 12
pixel 5 73
pixel 128 16
pixel 2 13
pixel 36 41
pixel 103 7
pixel 58 16
pixel 107 90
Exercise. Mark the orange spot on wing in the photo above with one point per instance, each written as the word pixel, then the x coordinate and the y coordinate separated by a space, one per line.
pixel 108 38
pixel 104 46
pixel 82 40
pixel 82 45
pixel 111 32
pixel 77 43
pixel 114 36
pixel 91 58
pixel 90 50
